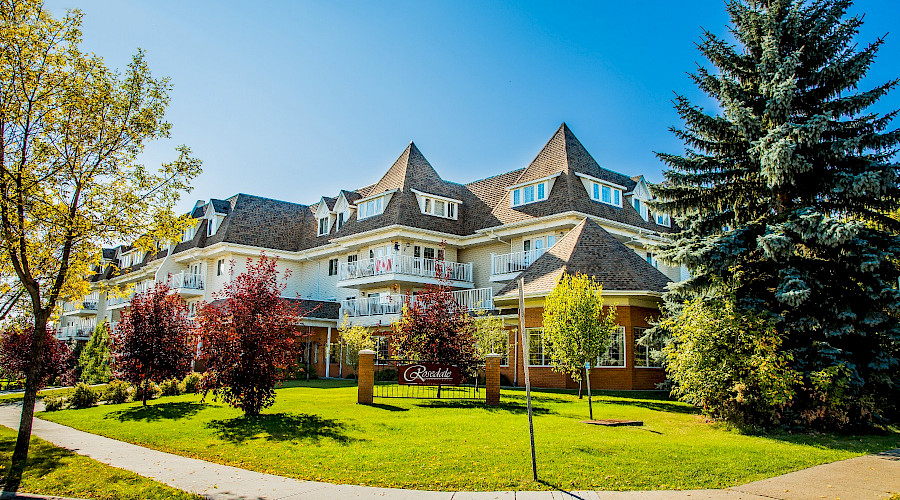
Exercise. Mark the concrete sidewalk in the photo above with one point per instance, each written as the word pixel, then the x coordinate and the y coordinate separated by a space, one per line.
pixel 870 477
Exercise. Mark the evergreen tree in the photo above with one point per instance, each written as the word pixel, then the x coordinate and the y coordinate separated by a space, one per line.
pixel 94 358
pixel 783 199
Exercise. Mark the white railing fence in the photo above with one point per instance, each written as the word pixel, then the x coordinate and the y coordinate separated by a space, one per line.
pixel 405 264
pixel 186 280
pixel 514 262
pixel 471 300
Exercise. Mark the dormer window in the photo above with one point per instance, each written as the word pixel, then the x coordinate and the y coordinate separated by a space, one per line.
pixel 438 206
pixel 606 194
pixel 211 227
pixel 188 233
pixel 340 221
pixel 602 191
pixel 323 226
pixel 371 208
pixel 529 194
pixel 663 219
pixel 532 191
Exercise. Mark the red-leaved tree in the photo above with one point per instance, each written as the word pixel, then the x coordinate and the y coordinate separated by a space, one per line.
pixel 435 328
pixel 15 346
pixel 154 341
pixel 249 337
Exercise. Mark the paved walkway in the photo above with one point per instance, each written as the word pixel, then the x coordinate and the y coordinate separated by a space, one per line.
pixel 863 478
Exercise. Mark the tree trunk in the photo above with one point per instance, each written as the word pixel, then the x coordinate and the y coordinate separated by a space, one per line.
pixel 145 388
pixel 581 384
pixel 590 407
pixel 32 383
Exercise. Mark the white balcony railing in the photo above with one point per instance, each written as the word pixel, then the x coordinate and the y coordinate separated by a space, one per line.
pixel 68 332
pixel 186 280
pixel 471 300
pixel 405 264
pixel 88 303
pixel 114 301
pixel 514 262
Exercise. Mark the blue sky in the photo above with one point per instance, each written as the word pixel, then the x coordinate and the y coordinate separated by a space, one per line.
pixel 294 100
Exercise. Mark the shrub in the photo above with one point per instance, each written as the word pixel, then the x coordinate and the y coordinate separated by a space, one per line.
pixel 191 383
pixel 83 396
pixel 387 375
pixel 117 392
pixel 145 391
pixel 170 387
pixel 54 403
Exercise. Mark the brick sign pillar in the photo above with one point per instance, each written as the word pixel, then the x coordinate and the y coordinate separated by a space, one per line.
pixel 492 379
pixel 366 376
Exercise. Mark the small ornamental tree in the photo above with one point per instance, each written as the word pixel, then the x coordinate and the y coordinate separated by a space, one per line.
pixel 491 337
pixel 249 337
pixel 95 357
pixel 577 329
pixel 15 346
pixel 154 340
pixel 355 338
pixel 435 328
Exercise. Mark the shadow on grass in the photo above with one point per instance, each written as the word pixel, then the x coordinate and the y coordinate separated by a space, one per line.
pixel 381 406
pixel 664 406
pixel 280 427
pixel 159 411
pixel 317 384
pixel 43 459
pixel 503 406
pixel 876 442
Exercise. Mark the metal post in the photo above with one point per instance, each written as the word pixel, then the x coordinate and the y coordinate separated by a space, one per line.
pixel 525 360
pixel 328 354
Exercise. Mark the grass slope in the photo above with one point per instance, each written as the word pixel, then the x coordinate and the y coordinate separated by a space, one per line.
pixel 59 472
pixel 316 431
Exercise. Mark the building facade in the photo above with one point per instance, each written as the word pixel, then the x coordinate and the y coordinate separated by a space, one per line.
pixel 359 253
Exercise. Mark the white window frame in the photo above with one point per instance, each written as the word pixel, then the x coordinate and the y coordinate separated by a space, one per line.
pixel 428 204
pixel 622 341
pixel 518 196
pixel 545 357
pixel 594 187
pixel 373 206
pixel 646 361
pixel 320 226
pixel 662 219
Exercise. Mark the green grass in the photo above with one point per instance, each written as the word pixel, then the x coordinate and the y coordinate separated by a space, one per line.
pixel 316 431
pixel 59 391
pixel 59 472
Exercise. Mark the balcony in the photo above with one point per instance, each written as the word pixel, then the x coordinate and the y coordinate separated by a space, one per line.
pixel 75 332
pixel 86 307
pixel 113 302
pixel 385 309
pixel 187 284
pixel 404 269
pixel 506 266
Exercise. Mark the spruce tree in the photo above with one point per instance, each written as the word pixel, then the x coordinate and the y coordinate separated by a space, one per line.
pixel 783 196
pixel 94 358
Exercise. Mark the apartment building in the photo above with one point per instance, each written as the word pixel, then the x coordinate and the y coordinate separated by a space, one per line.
pixel 359 253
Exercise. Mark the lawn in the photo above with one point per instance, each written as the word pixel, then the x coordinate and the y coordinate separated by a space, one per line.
pixel 316 431
pixel 59 472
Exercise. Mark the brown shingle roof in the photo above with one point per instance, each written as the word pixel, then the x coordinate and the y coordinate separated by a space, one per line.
pixel 589 249
pixel 565 155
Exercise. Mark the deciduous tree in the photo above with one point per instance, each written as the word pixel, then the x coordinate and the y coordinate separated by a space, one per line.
pixel 71 131
pixel 433 327
pixel 491 337
pixel 249 337
pixel 95 357
pixel 355 338
pixel 154 340
pixel 577 329
pixel 15 347
pixel 783 199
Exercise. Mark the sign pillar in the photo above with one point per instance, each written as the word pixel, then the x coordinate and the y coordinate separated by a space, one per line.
pixel 492 379
pixel 365 376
